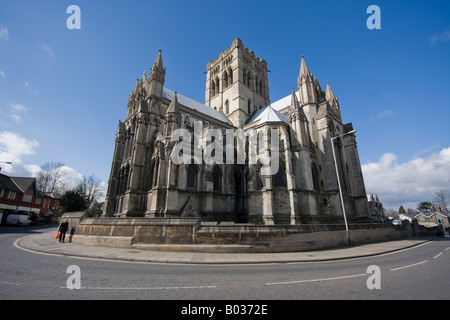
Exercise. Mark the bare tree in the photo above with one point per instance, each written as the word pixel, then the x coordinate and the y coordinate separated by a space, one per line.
pixel 441 199
pixel 50 178
pixel 90 188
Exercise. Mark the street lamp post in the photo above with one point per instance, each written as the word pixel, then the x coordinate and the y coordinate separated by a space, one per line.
pixel 339 183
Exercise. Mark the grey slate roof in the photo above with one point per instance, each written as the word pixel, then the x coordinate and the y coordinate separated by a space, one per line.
pixel 192 104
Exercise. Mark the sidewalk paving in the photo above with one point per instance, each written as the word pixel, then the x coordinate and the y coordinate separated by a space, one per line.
pixel 46 243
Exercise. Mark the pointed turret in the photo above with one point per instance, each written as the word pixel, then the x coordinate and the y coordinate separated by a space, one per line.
pixel 329 94
pixel 332 101
pixel 306 84
pixel 157 77
pixel 158 62
pixel 174 107
pixel 304 71
pixel 173 116
pixel 295 105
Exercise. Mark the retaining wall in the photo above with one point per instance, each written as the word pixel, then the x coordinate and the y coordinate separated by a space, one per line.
pixel 191 234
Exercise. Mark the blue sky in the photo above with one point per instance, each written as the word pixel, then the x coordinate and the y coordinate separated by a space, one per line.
pixel 62 91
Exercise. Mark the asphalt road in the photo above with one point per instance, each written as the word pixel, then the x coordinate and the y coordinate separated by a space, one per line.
pixel 416 273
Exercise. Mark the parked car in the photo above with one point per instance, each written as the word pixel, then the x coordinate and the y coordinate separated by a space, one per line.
pixel 397 222
pixel 17 219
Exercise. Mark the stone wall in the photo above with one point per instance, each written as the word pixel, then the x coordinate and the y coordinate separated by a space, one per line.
pixel 191 234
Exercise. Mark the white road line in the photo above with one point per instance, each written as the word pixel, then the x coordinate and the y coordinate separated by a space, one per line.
pixel 447 249
pixel 411 265
pixel 144 288
pixel 315 280
pixel 437 255
pixel 6 282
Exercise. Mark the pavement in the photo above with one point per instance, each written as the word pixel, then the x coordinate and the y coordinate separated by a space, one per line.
pixel 47 244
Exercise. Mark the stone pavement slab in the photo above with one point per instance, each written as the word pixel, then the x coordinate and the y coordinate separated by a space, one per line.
pixel 46 243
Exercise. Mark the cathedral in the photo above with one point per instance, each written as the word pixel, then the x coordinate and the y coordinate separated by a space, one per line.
pixel 316 155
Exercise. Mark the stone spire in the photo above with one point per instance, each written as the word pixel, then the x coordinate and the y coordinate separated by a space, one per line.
pixel 304 71
pixel 157 77
pixel 305 81
pixel 174 107
pixel 158 62
pixel 332 100
pixel 173 116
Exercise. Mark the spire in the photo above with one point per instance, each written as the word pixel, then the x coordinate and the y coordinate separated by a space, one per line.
pixel 158 62
pixel 157 77
pixel 174 107
pixel 294 101
pixel 144 77
pixel 173 116
pixel 304 71
pixel 329 94
pixel 331 99
pixel 135 89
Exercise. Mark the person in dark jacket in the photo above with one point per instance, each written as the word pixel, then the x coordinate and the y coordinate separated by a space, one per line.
pixel 63 229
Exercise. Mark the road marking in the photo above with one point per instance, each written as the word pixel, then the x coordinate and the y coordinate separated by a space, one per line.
pixel 6 282
pixel 144 288
pixel 437 255
pixel 411 265
pixel 447 249
pixel 316 280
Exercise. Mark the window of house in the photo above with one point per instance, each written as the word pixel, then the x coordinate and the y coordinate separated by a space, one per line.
pixel 11 195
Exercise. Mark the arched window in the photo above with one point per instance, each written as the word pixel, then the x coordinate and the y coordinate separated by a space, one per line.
pixel 315 176
pixel 279 178
pixel 248 106
pixel 192 175
pixel 217 179
pixel 227 107
pixel 225 79
pixel 230 76
pixel 217 85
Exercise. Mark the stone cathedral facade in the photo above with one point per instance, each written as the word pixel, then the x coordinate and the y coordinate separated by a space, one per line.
pixel 145 181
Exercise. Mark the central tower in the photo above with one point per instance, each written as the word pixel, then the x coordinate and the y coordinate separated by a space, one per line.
pixel 237 83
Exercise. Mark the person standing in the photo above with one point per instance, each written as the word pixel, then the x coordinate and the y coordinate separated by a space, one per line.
pixel 63 229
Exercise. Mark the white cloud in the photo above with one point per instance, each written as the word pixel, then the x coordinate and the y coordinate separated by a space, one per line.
pixel 382 115
pixel 28 85
pixel 4 34
pixel 15 108
pixel 408 183
pixel 443 36
pixel 18 107
pixel 48 50
pixel 2 74
pixel 16 118
pixel 14 147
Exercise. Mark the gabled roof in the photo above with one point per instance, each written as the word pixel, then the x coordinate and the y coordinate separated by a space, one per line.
pixel 284 102
pixel 8 184
pixel 268 114
pixel 192 104
pixel 443 214
pixel 17 184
